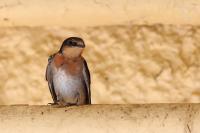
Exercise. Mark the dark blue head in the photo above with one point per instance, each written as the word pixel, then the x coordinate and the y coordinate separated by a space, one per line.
pixel 72 42
pixel 72 47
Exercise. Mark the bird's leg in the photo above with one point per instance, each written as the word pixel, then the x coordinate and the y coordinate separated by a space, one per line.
pixel 52 104
pixel 56 105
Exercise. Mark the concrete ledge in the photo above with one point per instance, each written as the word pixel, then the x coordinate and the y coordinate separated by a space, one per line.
pixel 98 12
pixel 150 118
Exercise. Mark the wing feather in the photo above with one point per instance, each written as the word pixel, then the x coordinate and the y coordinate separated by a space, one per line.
pixel 49 78
pixel 86 75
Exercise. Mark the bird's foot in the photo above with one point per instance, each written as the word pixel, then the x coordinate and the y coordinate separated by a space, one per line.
pixel 56 105
pixel 52 104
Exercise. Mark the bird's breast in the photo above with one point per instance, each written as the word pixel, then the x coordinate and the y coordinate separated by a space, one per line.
pixel 65 84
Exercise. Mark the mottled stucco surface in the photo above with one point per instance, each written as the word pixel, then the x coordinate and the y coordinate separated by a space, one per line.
pixel 128 64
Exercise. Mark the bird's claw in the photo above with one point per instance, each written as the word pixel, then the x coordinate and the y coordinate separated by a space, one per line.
pixel 52 104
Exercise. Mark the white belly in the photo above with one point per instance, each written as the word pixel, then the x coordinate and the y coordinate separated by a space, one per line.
pixel 69 89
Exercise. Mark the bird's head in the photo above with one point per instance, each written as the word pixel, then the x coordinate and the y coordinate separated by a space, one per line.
pixel 72 47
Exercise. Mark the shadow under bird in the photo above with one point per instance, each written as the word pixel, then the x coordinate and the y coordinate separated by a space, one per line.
pixel 68 75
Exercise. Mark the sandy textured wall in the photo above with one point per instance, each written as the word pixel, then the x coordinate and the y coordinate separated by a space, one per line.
pixel 132 60
pixel 129 64
pixel 156 118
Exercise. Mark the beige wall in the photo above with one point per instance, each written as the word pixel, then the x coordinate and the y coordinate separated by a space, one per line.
pixel 129 64
pixel 132 59
pixel 98 12
pixel 151 118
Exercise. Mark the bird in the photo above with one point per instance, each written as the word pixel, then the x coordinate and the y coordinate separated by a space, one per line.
pixel 68 75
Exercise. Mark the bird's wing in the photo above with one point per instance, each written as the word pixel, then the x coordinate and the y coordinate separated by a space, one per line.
pixel 49 78
pixel 86 76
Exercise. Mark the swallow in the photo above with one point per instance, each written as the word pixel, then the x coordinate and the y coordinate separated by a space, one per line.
pixel 68 75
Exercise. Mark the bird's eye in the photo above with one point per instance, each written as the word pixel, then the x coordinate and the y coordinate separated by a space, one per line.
pixel 70 42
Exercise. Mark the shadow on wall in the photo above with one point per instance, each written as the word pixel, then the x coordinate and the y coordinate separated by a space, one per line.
pixel 129 64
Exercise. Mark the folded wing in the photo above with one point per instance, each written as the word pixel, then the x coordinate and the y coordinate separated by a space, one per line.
pixel 49 78
pixel 86 75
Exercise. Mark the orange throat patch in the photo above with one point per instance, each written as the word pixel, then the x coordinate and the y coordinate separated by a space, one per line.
pixel 58 60
pixel 73 66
